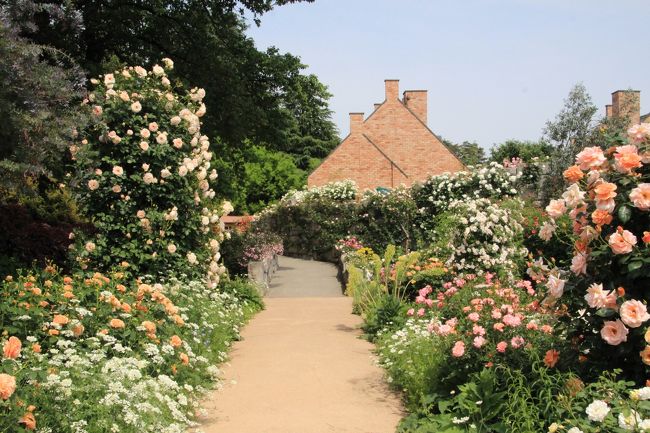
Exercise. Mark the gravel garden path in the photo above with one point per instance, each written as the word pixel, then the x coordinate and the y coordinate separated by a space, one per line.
pixel 301 366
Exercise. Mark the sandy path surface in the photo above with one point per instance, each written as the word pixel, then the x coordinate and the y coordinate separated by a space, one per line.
pixel 301 368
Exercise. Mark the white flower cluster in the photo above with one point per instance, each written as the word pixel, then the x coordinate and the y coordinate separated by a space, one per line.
pixel 483 237
pixel 339 191
pixel 492 181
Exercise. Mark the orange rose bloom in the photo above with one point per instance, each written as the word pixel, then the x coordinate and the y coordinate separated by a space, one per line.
pixel 29 421
pixel 68 295
pixel 116 324
pixel 78 330
pixel 7 386
pixel 11 348
pixel 148 326
pixel 120 288
pixel 184 358
pixel 551 358
pixel 573 174
pixel 178 320
pixel 601 217
pixel 175 341
pixel 126 307
pixel 60 319
pixel 53 332
pixel 67 280
pixel 605 191
pixel 645 355
pixel 36 348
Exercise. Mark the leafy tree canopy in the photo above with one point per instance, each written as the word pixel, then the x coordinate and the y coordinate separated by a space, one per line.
pixel 470 153
pixel 525 150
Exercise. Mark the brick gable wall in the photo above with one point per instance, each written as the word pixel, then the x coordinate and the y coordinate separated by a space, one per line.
pixel 390 142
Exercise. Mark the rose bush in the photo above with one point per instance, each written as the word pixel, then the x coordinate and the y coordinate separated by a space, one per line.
pixel 144 177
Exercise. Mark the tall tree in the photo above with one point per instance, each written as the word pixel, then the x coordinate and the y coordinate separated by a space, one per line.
pixel 470 153
pixel 525 150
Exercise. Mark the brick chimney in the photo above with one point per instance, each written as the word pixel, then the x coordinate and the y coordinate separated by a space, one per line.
pixel 377 105
pixel 627 103
pixel 416 101
pixel 392 89
pixel 608 110
pixel 356 122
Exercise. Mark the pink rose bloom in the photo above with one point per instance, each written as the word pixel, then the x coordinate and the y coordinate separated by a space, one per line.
pixel 478 330
pixel 614 332
pixel 555 286
pixel 579 264
pixel 419 300
pixel 634 313
pixel 429 302
pixel 512 320
pixel 496 314
pixel 421 312
pixel 517 342
pixel 622 242
pixel 445 329
pixel 478 342
pixel 467 309
pixel 452 322
pixel 597 297
pixel 640 196
pixel 627 158
pixel 499 326
pixel 459 349
pixel 473 317
pixel 639 133
pixel 556 208
pixel 410 312
pixel 590 158
pixel 532 326
pixel 425 291
pixel 502 346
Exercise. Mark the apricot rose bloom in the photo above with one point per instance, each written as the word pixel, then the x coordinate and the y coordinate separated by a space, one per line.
pixel 556 208
pixel 148 326
pixel 614 332
pixel 573 174
pixel 639 133
pixel 11 348
pixel 116 324
pixel 622 242
pixel 176 341
pixel 605 191
pixel 29 421
pixel 60 319
pixel 634 313
pixel 645 355
pixel 590 158
pixel 640 196
pixel 601 217
pixel 627 158
pixel 551 358
pixel 7 386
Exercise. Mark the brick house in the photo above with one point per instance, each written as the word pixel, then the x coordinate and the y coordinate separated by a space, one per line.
pixel 627 103
pixel 393 146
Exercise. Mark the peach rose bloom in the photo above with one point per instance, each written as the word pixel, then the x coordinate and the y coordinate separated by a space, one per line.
pixel 573 174
pixel 634 313
pixel 638 133
pixel 605 191
pixel 148 326
pixel 60 319
pixel 579 264
pixel 627 158
pixel 116 324
pixel 647 336
pixel 640 196
pixel 606 205
pixel 11 348
pixel 36 348
pixel 601 217
pixel 614 332
pixel 597 297
pixel 29 421
pixel 590 158
pixel 7 386
pixel 556 208
pixel 175 341
pixel 645 355
pixel 622 242
pixel 78 330
pixel 184 358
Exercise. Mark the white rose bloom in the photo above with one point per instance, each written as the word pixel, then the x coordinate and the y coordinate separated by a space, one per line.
pixel 118 171
pixel 205 220
pixel 191 257
pixel 182 170
pixel 629 421
pixel 90 246
pixel 165 81
pixel 144 146
pixel 171 248
pixel 158 70
pixel 175 120
pixel 142 72
pixel 136 107
pixel 644 393
pixel 597 410
pixel 169 63
pixel 165 173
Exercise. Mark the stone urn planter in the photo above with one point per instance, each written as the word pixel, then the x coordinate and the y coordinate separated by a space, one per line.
pixel 262 272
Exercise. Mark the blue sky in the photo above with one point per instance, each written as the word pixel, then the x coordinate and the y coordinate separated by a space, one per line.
pixel 494 69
